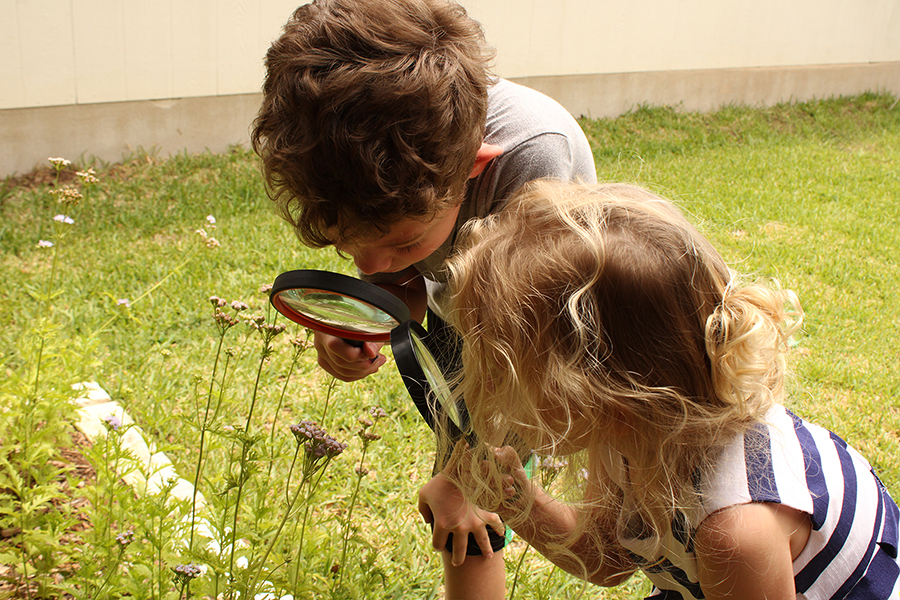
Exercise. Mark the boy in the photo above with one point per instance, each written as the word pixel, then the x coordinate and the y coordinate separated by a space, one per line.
pixel 381 132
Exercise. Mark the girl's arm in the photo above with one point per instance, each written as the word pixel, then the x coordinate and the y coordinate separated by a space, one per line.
pixel 747 551
pixel 550 521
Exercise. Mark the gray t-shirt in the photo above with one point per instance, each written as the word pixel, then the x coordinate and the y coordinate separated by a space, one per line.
pixel 540 139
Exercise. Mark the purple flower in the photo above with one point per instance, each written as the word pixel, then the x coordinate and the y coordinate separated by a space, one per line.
pixel 316 442
pixel 114 422
pixel 125 538
pixel 184 573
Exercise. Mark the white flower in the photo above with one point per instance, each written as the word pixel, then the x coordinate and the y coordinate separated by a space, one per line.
pixel 211 220
pixel 60 162
pixel 88 176
pixel 64 219
pixel 45 244
pixel 212 243
pixel 123 302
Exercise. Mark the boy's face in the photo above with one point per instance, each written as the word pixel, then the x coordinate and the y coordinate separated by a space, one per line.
pixel 406 243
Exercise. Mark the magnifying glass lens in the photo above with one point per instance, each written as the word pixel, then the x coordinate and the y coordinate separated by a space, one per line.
pixel 338 305
pixel 337 310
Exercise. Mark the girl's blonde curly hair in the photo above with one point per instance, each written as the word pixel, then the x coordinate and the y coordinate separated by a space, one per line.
pixel 597 318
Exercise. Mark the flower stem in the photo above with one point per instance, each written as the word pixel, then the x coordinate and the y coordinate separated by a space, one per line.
pixel 287 514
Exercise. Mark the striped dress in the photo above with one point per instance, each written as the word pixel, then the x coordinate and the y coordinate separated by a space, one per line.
pixel 852 550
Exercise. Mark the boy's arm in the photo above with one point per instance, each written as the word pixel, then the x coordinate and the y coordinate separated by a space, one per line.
pixel 746 551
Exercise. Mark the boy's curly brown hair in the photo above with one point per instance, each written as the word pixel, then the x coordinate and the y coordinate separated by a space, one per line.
pixel 373 111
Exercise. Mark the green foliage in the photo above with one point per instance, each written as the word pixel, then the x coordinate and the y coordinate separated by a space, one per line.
pixel 807 193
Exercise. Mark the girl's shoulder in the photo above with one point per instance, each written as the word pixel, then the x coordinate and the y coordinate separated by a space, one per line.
pixel 751 547
pixel 783 460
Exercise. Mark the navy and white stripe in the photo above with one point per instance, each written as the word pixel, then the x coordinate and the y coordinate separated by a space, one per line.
pixel 852 550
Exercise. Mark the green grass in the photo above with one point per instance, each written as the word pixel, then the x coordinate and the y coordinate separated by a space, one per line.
pixel 806 193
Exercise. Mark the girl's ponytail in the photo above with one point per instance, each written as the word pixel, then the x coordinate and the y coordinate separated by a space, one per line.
pixel 746 338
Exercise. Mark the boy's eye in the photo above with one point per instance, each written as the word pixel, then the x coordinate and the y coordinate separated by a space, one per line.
pixel 410 248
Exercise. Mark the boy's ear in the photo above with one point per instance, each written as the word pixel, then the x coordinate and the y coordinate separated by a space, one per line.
pixel 485 154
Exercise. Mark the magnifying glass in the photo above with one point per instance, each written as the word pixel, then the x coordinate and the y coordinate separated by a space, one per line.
pixel 338 305
pixel 359 311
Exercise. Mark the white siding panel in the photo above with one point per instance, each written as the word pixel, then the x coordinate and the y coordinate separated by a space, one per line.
pixel 101 66
pixel 571 37
pixel 12 92
pixel 45 47
pixel 239 61
pixel 194 40
pixel 149 65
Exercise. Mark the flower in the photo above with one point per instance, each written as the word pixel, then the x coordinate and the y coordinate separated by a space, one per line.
pixel 67 195
pixel 212 243
pixel 125 538
pixel 368 436
pixel 44 244
pixel 113 421
pixel 317 443
pixel 238 306
pixel 224 320
pixel 184 573
pixel 123 302
pixel 64 219
pixel 60 162
pixel 307 430
pixel 212 221
pixel 87 177
pixel 265 288
pixel 301 343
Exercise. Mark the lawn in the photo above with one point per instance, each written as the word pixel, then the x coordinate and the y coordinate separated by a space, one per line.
pixel 807 193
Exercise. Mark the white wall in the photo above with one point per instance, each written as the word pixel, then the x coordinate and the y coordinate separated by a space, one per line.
pixel 86 51
pixel 104 77
pixel 575 37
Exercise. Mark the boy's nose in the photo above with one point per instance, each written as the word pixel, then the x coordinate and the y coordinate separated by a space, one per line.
pixel 372 262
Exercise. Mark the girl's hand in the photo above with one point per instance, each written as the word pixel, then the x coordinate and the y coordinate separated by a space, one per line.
pixel 514 479
pixel 346 362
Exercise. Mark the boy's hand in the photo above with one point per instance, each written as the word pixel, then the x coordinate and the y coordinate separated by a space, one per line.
pixel 444 506
pixel 346 362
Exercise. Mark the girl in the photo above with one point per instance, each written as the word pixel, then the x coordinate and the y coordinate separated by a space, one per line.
pixel 597 323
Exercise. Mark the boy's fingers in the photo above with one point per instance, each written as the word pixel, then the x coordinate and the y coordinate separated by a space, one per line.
pixel 351 372
pixel 371 349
